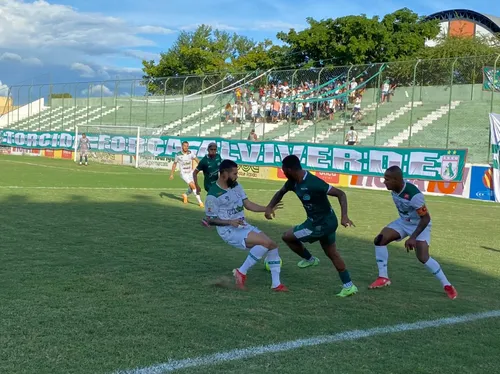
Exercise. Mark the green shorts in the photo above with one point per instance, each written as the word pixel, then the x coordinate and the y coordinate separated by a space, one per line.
pixel 310 232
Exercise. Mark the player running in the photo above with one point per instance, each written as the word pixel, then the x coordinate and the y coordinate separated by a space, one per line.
pixel 414 222
pixel 84 147
pixel 321 223
pixel 225 208
pixel 185 160
pixel 209 165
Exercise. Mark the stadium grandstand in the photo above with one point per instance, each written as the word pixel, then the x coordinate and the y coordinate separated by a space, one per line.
pixel 447 106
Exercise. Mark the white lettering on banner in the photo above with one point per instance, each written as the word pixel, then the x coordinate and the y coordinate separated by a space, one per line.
pixel 43 141
pixel 382 160
pixel 286 150
pixel 347 159
pixel 269 153
pixel 19 139
pixel 316 157
pixel 31 142
pixel 66 140
pixel 118 144
pixel 249 152
pixel 423 163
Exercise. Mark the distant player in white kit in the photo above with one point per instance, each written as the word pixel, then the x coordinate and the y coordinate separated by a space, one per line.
pixel 414 221
pixel 225 208
pixel 84 147
pixel 185 160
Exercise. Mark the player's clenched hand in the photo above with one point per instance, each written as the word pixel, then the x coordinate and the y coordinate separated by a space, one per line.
pixel 346 222
pixel 171 176
pixel 271 212
pixel 237 222
pixel 411 244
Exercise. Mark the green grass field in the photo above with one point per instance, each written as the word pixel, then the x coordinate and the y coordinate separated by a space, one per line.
pixel 103 269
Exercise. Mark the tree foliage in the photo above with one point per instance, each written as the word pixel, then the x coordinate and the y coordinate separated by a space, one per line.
pixel 398 37
pixel 64 95
pixel 360 40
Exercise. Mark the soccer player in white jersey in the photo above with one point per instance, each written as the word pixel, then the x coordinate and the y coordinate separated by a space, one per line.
pixel 414 221
pixel 225 208
pixel 185 160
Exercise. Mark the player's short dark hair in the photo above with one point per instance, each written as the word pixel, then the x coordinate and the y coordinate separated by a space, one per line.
pixel 396 170
pixel 226 165
pixel 291 162
pixel 213 144
pixel 185 142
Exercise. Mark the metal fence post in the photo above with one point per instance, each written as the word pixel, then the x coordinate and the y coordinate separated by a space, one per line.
pixel 182 103
pixel 413 98
pixel 449 102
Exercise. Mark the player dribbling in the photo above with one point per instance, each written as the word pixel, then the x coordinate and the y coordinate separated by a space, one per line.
pixel 225 208
pixel 321 223
pixel 414 221
pixel 185 160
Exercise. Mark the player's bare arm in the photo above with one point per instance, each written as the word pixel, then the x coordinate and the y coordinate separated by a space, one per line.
pixel 254 207
pixel 214 221
pixel 341 196
pixel 278 196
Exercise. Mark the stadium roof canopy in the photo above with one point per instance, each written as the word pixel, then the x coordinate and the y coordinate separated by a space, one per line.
pixel 491 23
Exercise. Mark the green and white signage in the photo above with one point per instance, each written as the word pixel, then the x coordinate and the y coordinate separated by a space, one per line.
pixel 416 163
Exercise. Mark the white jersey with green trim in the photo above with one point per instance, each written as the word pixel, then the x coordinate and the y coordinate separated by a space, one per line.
pixel 225 204
pixel 410 203
pixel 185 161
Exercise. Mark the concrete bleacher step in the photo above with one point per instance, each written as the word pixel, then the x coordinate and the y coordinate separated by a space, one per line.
pixel 296 131
pixel 421 124
pixel 188 117
pixel 323 135
pixel 370 130
pixel 241 129
pixel 89 120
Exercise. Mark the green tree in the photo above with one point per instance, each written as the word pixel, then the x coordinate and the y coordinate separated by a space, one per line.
pixel 206 51
pixel 359 39
pixel 64 95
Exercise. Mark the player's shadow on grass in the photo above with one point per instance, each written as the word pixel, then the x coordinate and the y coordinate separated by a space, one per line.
pixel 490 249
pixel 177 198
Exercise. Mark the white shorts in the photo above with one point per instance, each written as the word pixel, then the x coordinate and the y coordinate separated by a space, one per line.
pixel 405 229
pixel 236 236
pixel 188 178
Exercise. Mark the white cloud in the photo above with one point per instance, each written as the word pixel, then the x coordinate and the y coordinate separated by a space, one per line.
pixel 142 55
pixel 4 89
pixel 85 71
pixel 97 90
pixel 60 33
pixel 9 56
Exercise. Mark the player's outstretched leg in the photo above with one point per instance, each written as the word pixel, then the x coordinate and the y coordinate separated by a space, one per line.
pixel 330 249
pixel 433 266
pixel 296 245
pixel 86 160
pixel 81 158
pixel 186 194
pixel 260 244
pixel 386 236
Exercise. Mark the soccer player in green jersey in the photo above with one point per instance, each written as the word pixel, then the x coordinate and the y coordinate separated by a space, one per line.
pixel 225 209
pixel 414 221
pixel 209 165
pixel 321 223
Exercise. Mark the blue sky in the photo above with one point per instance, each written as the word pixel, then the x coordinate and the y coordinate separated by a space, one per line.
pixel 98 40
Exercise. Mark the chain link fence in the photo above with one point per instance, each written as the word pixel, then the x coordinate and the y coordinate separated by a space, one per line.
pixel 424 103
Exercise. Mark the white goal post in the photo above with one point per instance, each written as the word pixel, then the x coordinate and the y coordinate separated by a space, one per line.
pixel 118 145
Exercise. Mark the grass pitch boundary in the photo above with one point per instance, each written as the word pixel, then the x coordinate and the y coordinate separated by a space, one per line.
pixel 240 354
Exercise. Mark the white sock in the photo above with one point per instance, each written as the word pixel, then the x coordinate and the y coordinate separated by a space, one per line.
pixel 382 256
pixel 434 267
pixel 198 197
pixel 255 254
pixel 274 261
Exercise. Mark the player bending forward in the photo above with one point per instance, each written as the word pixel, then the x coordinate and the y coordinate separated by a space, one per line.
pixel 414 222
pixel 225 208
pixel 185 160
pixel 84 149
pixel 321 223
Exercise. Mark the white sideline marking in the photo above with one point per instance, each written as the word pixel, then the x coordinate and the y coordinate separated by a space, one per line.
pixel 239 354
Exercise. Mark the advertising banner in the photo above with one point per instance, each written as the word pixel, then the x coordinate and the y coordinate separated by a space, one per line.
pixel 416 163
